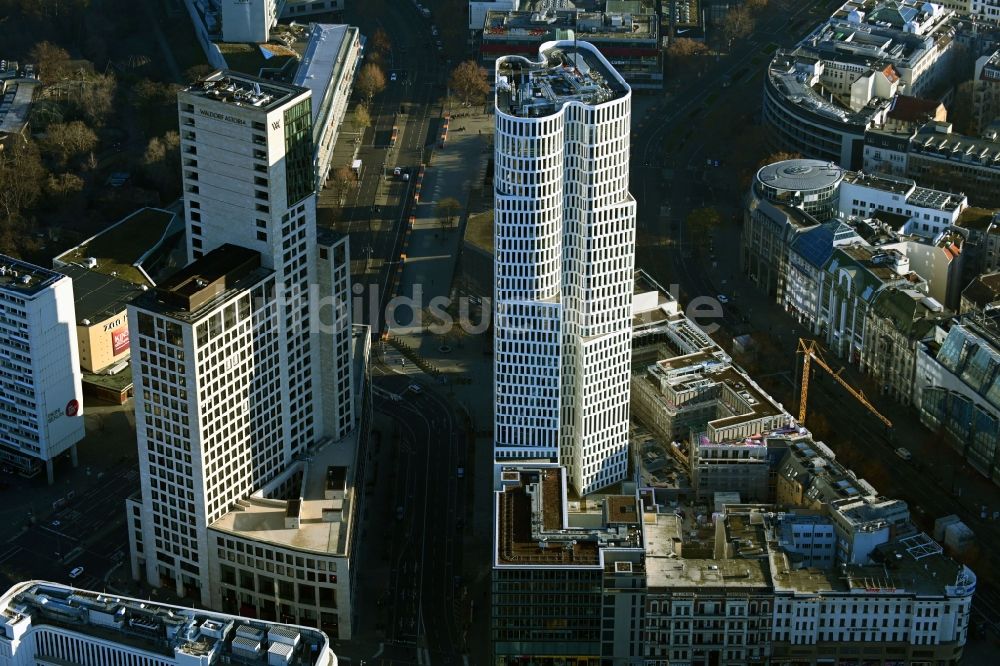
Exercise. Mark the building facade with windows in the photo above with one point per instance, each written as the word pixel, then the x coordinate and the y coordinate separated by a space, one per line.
pixel 52 623
pixel 565 244
pixel 208 413
pixel 41 398
pixel 842 79
pixel 251 381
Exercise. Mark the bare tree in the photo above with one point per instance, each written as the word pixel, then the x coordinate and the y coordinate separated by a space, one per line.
pixel 161 163
pixel 362 119
pixel 683 52
pixel 342 179
pixel 702 223
pixel 738 24
pixel 370 82
pixel 96 98
pixel 52 61
pixel 21 176
pixel 468 82
pixel 381 41
pixel 68 140
pixel 755 5
pixel 448 209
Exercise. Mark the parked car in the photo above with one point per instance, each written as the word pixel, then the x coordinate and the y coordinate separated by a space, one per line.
pixel 76 573
pixel 904 453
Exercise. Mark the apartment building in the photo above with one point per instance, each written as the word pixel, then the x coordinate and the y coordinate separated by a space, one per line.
pixel 568 575
pixel 841 79
pixel 565 244
pixel 957 387
pixel 852 277
pixel 709 597
pixel 52 623
pixel 41 400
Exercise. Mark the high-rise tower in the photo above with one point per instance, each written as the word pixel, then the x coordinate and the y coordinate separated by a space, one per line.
pixel 564 256
pixel 246 149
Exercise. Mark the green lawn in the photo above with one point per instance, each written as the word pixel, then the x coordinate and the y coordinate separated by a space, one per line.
pixel 479 230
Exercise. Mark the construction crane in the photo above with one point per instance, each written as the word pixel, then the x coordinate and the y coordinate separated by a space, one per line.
pixel 810 352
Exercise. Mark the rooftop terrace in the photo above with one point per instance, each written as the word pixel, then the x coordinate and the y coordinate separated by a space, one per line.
pixel 532 530
pixel 162 629
pixel 565 72
pixel 323 513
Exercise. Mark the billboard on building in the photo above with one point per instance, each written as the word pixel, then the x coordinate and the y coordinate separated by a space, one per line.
pixel 119 340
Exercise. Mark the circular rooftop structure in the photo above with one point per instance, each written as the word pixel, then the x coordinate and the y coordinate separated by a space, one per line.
pixel 800 176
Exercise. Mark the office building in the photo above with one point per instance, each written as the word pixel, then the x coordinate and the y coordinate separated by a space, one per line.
pixel 565 242
pixel 936 156
pixel 567 574
pixel 629 40
pixel 208 411
pixel 17 90
pixel 248 20
pixel 41 411
pixel 50 623
pixel 957 387
pixel 329 63
pixel 841 79
pixel 787 199
pixel 248 373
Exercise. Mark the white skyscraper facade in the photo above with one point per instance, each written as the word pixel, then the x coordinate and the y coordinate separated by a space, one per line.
pixel 208 409
pixel 41 398
pixel 243 361
pixel 564 238
pixel 247 155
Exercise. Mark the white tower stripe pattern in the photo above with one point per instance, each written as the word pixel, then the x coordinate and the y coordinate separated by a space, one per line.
pixel 564 257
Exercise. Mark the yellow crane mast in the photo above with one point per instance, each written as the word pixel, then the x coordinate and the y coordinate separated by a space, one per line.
pixel 810 352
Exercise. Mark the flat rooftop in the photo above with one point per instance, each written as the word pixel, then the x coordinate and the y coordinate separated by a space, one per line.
pixel 503 25
pixel 24 279
pixel 97 295
pixel 169 631
pixel 531 529
pixel 120 249
pixel 322 64
pixel 800 175
pixel 208 280
pixel 15 104
pixel 243 90
pixel 913 565
pixel 565 72
pixel 977 219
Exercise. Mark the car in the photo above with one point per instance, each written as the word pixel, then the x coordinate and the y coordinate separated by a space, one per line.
pixel 904 453
pixel 399 513
pixel 439 45
pixel 392 77
pixel 460 472
pixel 415 388
pixel 723 298
pixel 76 573
pixel 406 176
pixel 56 523
pixel 397 172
